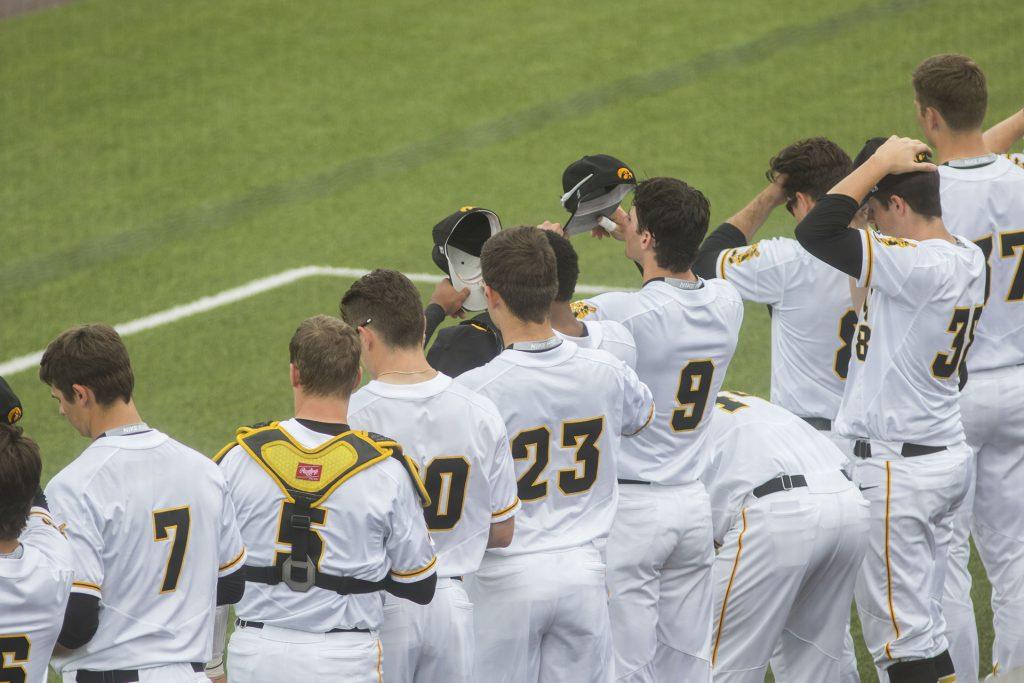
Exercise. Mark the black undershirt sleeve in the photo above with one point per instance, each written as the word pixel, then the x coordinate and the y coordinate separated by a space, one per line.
pixel 435 316
pixel 39 500
pixel 725 236
pixel 825 233
pixel 420 592
pixel 81 619
pixel 230 588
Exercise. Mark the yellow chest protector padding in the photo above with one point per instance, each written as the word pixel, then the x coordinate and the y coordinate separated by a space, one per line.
pixel 307 477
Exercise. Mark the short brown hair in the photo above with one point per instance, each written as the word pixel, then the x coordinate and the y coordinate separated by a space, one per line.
pixel 812 166
pixel 392 304
pixel 519 264
pixel 325 351
pixel 93 356
pixel 676 215
pixel 20 469
pixel 954 85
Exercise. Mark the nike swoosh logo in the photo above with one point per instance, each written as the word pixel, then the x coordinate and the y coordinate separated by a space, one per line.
pixel 865 488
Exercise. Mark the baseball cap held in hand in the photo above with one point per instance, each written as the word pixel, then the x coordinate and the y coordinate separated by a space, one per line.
pixel 594 186
pixel 10 406
pixel 458 240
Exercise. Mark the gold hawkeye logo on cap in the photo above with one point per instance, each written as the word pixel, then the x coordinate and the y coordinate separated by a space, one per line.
pixel 14 415
pixel 625 173
pixel 467 208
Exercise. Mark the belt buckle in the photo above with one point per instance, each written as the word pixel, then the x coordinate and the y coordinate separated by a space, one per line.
pixel 787 482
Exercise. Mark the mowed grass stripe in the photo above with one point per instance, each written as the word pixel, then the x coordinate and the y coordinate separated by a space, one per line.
pixel 356 172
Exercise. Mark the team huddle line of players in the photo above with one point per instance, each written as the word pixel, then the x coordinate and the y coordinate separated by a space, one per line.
pixel 563 491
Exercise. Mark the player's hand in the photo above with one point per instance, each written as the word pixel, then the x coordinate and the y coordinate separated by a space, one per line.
pixel 621 220
pixel 903 155
pixel 449 299
pixel 220 679
pixel 776 191
pixel 552 227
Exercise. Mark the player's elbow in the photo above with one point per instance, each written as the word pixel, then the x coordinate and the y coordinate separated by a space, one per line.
pixel 421 592
pixel 231 588
pixel 81 619
pixel 500 535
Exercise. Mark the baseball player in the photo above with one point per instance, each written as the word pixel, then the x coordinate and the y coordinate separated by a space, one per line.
pixel 151 528
pixel 332 517
pixel 541 605
pixel 606 335
pixel 35 561
pixel 983 201
pixel 926 291
pixel 660 550
pixel 793 530
pixel 458 440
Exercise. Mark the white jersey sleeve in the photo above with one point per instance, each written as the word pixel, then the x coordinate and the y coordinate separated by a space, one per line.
pixel 890 264
pixel 502 480
pixel 80 523
pixel 760 271
pixel 408 546
pixel 637 403
pixel 232 548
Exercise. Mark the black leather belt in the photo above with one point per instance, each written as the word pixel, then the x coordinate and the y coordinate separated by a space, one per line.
pixel 822 424
pixel 783 483
pixel 120 675
pixel 634 481
pixel 259 624
pixel 862 449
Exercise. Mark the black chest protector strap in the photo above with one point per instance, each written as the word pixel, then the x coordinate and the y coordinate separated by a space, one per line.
pixel 308 477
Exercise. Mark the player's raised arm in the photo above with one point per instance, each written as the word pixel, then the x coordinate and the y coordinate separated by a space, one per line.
pixel 825 233
pixel 1001 137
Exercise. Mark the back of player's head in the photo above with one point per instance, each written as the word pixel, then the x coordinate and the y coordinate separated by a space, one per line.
pixel 20 469
pixel 325 351
pixel 519 265
pixel 567 263
pixel 954 85
pixel 93 356
pixel 813 166
pixel 676 215
pixel 920 190
pixel 391 302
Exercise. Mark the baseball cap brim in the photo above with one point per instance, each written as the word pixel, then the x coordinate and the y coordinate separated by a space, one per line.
pixel 462 252
pixel 590 209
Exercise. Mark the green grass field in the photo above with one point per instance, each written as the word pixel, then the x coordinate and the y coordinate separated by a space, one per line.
pixel 152 153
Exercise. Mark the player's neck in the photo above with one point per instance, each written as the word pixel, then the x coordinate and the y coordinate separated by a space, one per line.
pixel 118 414
pixel 652 270
pixel 329 409
pixel 926 228
pixel 8 547
pixel 563 320
pixel 950 146
pixel 514 330
pixel 402 366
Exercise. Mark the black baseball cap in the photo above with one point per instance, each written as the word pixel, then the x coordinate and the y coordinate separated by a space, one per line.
pixel 466 230
pixel 594 186
pixel 10 405
pixel 891 183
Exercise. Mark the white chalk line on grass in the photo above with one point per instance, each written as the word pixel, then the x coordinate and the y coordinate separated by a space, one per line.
pixel 234 295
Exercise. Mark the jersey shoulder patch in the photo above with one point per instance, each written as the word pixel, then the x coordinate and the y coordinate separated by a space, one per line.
pixel 893 241
pixel 581 309
pixel 739 255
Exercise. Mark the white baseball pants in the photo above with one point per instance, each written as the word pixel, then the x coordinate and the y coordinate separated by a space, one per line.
pixel 784 582
pixel 272 654
pixel 660 554
pixel 541 617
pixel 899 589
pixel 427 643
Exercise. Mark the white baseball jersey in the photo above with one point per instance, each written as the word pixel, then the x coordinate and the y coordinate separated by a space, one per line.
pixel 34 590
pixel 812 321
pixel 984 203
pixel 756 441
pixel 371 526
pixel 685 340
pixel 916 326
pixel 151 529
pixel 458 440
pixel 564 408
pixel 609 336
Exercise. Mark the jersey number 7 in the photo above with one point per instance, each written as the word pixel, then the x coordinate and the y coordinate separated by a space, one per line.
pixel 163 521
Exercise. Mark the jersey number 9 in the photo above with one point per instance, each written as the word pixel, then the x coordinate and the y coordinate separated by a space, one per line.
pixel 692 394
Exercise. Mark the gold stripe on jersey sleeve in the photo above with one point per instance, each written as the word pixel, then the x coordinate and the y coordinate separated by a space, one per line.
pixel 233 562
pixel 650 416
pixel 504 511
pixel 415 572
pixel 888 561
pixel 722 258
pixel 86 585
pixel 728 588
pixel 871 257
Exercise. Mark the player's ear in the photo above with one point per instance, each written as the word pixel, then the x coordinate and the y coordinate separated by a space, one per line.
pixel 293 374
pixel 80 394
pixel 492 297
pixel 933 119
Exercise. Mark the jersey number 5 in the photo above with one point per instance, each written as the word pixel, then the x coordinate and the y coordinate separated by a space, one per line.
pixel 535 444
pixel 163 521
pixel 17 647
